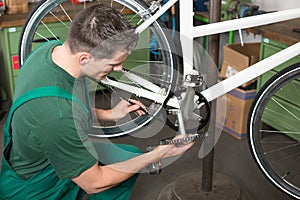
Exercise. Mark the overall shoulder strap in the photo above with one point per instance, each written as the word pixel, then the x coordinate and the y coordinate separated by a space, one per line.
pixel 42 92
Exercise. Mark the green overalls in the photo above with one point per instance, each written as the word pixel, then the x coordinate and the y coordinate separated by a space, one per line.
pixel 46 184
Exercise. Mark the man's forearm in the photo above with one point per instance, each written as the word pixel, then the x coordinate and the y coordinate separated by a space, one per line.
pixel 100 178
pixel 103 115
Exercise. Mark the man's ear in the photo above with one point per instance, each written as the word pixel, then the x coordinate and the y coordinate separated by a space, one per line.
pixel 84 58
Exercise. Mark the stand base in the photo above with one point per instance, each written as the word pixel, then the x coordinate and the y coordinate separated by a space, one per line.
pixel 188 187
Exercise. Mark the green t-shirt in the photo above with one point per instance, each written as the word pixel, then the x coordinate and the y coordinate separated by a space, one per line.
pixel 50 130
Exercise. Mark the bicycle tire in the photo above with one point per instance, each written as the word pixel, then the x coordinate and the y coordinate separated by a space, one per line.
pixel 275 146
pixel 168 67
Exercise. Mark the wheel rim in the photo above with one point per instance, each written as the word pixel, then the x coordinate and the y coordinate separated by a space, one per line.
pixel 275 146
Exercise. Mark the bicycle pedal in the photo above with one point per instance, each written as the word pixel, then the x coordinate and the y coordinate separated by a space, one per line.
pixel 154 168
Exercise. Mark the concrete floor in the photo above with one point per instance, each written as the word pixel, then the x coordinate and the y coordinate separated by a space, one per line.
pixel 231 158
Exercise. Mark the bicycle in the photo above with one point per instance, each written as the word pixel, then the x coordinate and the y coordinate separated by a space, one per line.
pixel 160 82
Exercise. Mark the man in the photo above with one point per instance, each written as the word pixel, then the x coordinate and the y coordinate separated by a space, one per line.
pixel 48 154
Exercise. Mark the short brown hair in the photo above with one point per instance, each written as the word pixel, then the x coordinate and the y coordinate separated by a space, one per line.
pixel 101 30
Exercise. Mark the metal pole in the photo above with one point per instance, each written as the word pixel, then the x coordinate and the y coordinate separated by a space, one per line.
pixel 213 50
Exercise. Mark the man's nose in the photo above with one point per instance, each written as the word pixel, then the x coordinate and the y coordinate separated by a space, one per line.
pixel 118 68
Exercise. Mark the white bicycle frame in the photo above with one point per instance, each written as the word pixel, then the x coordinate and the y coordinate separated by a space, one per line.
pixel 188 32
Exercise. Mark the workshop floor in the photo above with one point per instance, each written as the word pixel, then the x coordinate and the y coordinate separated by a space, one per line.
pixel 231 158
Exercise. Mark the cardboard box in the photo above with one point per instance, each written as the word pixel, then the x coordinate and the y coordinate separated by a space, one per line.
pixel 16 6
pixel 234 121
pixel 238 57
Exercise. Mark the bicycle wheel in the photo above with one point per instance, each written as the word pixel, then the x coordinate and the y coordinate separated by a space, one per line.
pixel 140 68
pixel 273 128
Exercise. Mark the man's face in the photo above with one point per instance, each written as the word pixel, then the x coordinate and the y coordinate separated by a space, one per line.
pixel 99 69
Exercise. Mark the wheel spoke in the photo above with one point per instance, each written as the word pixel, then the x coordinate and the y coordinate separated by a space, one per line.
pixel 280 132
pixel 281 149
pixel 288 111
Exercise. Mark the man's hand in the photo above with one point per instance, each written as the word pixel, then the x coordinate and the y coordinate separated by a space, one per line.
pixel 124 107
pixel 121 110
pixel 170 150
